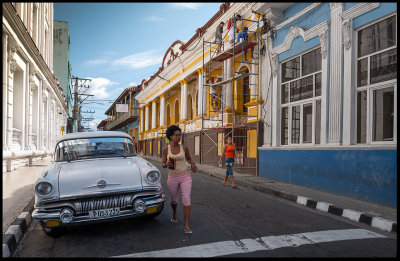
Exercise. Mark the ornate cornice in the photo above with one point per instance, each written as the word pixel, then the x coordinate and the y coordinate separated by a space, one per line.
pixel 13 65
pixel 274 63
pixel 358 10
pixel 323 38
pixel 306 34
pixel 12 47
pixel 32 81
pixel 346 29
pixel 184 81
pixel 335 5
pixel 294 17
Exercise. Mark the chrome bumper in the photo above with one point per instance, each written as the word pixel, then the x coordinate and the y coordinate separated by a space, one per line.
pixel 55 215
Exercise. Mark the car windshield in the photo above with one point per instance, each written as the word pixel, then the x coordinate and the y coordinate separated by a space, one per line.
pixel 94 148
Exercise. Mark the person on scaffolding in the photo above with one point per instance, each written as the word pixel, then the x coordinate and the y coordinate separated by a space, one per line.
pixel 213 93
pixel 218 36
pixel 243 35
pixel 232 27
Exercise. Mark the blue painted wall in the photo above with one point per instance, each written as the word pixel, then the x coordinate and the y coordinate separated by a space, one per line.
pixel 383 10
pixel 368 175
pixel 312 18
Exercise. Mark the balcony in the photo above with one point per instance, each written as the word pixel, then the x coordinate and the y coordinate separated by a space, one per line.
pixel 123 119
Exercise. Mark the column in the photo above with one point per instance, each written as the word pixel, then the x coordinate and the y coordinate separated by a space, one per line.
pixel 10 124
pixel 4 89
pixel 184 83
pixel 349 119
pixel 30 115
pixel 229 85
pixel 141 120
pixel 264 85
pixel 324 86
pixel 335 83
pixel 153 114
pixel 162 110
pixel 146 121
pixel 201 92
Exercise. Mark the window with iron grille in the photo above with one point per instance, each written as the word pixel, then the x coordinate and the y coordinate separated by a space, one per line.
pixel 376 82
pixel 301 99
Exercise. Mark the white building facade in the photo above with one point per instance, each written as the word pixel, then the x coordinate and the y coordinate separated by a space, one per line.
pixel 34 108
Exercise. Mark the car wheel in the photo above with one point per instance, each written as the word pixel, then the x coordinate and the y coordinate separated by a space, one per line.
pixel 53 231
pixel 156 213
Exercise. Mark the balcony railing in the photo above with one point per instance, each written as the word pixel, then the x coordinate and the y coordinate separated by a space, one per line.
pixel 123 117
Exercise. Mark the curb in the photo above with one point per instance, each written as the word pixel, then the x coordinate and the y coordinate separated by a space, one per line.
pixel 373 221
pixel 16 231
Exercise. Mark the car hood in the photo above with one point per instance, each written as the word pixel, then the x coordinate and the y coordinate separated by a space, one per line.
pixel 82 177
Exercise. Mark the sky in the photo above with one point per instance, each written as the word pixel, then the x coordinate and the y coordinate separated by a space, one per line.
pixel 118 45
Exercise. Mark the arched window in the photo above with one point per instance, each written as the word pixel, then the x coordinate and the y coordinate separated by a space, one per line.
pixel 176 111
pixel 197 103
pixel 168 115
pixel 189 107
pixel 244 91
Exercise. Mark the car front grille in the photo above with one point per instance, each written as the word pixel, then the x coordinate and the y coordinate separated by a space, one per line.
pixel 83 206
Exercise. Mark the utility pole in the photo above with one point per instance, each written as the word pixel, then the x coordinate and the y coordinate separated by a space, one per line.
pixel 77 101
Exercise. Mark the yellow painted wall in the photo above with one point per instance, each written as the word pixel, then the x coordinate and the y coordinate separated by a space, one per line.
pixel 252 143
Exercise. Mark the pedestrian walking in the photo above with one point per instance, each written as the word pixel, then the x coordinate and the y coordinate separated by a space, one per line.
pixel 174 156
pixel 230 154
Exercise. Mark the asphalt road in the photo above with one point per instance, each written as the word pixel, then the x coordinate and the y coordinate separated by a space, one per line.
pixel 225 222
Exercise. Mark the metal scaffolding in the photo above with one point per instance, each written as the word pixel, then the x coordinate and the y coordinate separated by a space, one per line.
pixel 232 115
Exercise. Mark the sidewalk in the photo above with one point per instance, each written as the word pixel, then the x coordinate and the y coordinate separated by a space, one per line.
pixel 18 200
pixel 375 215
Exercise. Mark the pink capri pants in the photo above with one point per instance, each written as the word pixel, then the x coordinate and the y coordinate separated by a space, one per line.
pixel 185 183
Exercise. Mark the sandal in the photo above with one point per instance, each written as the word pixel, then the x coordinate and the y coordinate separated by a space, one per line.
pixel 224 184
pixel 234 186
pixel 176 220
pixel 187 231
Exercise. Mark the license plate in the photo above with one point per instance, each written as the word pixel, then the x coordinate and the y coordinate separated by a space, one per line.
pixel 104 212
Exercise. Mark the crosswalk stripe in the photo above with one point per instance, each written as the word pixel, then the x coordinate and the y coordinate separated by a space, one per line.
pixel 265 243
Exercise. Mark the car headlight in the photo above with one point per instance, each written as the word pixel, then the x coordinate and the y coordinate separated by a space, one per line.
pixel 44 188
pixel 153 176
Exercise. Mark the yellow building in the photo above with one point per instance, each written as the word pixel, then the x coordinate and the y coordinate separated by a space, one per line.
pixel 195 89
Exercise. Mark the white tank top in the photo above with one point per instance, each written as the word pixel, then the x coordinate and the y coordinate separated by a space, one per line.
pixel 180 162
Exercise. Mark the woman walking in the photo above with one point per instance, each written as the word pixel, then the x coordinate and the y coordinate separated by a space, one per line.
pixel 230 154
pixel 174 156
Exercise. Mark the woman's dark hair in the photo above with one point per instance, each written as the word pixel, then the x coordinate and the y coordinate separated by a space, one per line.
pixel 171 130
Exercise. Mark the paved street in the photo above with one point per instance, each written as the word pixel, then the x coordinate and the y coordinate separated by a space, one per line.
pixel 225 222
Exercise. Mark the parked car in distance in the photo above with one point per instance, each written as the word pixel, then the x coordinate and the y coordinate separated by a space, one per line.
pixel 95 177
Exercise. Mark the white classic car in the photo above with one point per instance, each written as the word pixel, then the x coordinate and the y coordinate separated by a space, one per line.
pixel 96 176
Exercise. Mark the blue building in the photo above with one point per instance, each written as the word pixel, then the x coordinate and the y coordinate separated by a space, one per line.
pixel 331 73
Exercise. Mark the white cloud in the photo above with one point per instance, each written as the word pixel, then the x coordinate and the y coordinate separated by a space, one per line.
pixel 154 19
pixel 193 6
pixel 94 123
pixel 139 60
pixel 132 84
pixel 98 87
pixel 96 61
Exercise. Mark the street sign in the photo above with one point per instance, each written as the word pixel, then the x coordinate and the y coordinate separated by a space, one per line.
pixel 122 107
